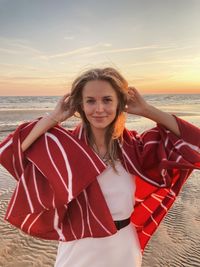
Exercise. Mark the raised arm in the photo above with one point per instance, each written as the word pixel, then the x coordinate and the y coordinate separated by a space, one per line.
pixel 138 106
pixel 62 111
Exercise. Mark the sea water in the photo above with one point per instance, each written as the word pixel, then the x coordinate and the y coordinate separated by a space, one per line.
pixel 22 106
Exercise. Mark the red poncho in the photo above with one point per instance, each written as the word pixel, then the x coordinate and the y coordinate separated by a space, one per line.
pixel 58 197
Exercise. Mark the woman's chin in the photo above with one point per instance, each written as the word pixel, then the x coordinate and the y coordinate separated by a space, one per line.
pixel 100 126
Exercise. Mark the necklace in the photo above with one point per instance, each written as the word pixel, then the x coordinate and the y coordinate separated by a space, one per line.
pixel 103 157
pixel 96 150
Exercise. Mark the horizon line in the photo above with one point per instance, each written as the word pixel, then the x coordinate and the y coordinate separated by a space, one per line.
pixel 178 93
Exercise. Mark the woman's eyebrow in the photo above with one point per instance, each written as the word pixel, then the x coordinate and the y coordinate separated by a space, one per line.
pixel 102 96
pixel 91 97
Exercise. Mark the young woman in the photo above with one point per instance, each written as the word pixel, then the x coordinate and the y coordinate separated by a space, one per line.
pixel 101 190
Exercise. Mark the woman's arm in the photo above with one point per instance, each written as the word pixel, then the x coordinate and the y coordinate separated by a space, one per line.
pixel 138 106
pixel 62 111
pixel 41 127
pixel 163 118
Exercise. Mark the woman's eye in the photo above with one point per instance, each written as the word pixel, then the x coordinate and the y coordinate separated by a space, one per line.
pixel 90 101
pixel 107 100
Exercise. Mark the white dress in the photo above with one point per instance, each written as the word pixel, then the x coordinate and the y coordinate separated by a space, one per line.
pixel 119 250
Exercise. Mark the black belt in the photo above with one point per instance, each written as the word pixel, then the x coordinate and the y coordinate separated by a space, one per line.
pixel 121 224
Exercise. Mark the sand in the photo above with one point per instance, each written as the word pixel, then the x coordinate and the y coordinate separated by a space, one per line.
pixel 175 244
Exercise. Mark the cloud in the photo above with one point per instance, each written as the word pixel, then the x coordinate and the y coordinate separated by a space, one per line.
pixel 175 48
pixel 8 51
pixel 79 50
pixel 82 51
pixel 123 50
pixel 150 78
pixel 73 52
pixel 18 47
pixel 169 61
pixel 69 37
pixel 32 79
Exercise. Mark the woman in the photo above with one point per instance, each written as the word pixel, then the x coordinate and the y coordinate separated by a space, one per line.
pixel 100 189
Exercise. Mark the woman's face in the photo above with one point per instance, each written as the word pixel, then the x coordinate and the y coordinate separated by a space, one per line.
pixel 99 103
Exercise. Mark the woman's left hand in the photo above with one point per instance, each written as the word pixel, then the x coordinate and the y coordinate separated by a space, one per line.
pixel 136 103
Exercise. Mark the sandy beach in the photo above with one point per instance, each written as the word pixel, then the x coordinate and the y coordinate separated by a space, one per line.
pixel 175 244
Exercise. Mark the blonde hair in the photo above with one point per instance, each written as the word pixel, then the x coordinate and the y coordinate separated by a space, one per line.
pixel 114 131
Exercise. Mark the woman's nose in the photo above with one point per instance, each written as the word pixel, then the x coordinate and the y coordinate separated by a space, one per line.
pixel 99 107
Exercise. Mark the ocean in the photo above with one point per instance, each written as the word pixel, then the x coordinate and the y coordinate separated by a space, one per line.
pixel 28 106
pixel 48 102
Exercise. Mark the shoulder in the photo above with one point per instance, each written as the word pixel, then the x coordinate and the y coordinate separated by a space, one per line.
pixel 130 136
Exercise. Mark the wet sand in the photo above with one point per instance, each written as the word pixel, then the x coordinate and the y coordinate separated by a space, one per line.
pixel 175 244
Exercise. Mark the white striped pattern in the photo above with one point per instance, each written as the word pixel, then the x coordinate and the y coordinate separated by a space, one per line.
pixel 154 220
pixel 14 167
pixel 67 165
pixel 6 145
pixel 20 156
pixel 30 123
pixel 88 219
pixel 172 192
pixel 157 197
pixel 166 141
pixel 36 166
pixel 136 225
pixel 179 158
pixel 56 227
pixel 82 220
pixel 71 228
pixel 164 173
pixel 80 132
pixel 138 199
pixel 139 173
pixel 149 210
pixel 151 143
pixel 14 200
pixel 27 193
pixel 29 229
pixel 36 188
pixel 169 196
pixel 184 143
pixel 149 131
pixel 98 220
pixel 87 155
pixel 145 233
pixel 164 207
pixel 25 220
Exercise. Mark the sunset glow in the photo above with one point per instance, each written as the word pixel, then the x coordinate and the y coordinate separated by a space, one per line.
pixel 155 45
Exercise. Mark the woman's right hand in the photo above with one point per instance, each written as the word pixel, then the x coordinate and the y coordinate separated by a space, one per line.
pixel 63 109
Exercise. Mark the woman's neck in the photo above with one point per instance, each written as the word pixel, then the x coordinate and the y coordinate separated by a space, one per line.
pixel 98 142
pixel 99 137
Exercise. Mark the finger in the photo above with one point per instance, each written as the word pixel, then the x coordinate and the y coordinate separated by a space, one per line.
pixel 66 95
pixel 135 94
pixel 133 91
pixel 67 98
pixel 131 95
pixel 131 88
pixel 62 98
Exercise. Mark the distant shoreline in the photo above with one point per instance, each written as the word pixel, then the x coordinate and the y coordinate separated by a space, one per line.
pixel 63 92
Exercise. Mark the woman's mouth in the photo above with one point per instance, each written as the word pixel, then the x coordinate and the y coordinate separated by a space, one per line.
pixel 99 118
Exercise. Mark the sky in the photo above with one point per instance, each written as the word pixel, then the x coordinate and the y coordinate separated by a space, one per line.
pixel 46 44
